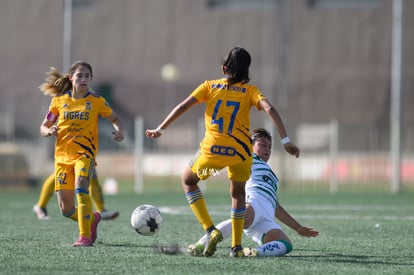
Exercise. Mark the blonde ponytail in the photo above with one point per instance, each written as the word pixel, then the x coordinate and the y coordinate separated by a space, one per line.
pixel 55 83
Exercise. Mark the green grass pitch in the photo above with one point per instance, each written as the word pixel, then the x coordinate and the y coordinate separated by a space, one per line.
pixel 361 232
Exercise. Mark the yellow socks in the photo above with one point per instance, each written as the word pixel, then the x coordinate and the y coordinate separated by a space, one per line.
pixel 237 221
pixel 96 194
pixel 73 214
pixel 85 216
pixel 199 207
pixel 46 193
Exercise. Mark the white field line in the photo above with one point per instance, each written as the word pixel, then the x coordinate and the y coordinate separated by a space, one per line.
pixel 225 211
pixel 356 217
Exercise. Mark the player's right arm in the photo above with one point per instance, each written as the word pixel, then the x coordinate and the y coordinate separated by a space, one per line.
pixel 180 109
pixel 48 128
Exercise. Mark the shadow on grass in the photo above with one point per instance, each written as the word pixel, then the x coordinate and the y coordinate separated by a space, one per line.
pixel 126 245
pixel 172 248
pixel 356 259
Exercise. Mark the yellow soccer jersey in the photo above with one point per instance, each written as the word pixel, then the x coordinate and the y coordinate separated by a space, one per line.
pixel 227 118
pixel 77 121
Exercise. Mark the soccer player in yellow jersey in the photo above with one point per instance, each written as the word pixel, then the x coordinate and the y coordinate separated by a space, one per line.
pixel 73 118
pixel 226 142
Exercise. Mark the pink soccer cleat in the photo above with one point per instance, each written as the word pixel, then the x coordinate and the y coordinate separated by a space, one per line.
pixel 83 241
pixel 94 226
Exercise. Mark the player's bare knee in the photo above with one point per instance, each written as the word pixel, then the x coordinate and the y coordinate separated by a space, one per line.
pixel 67 212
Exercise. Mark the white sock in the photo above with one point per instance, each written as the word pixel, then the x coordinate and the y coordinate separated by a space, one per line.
pixel 272 249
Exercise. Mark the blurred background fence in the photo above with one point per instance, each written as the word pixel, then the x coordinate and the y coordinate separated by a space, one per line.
pixel 336 70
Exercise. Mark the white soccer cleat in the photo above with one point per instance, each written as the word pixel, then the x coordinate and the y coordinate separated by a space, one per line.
pixel 250 252
pixel 109 215
pixel 195 249
pixel 41 213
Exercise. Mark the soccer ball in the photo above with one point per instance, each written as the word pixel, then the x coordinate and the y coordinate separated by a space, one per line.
pixel 146 219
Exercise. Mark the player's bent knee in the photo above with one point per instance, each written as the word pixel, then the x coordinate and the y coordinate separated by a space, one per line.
pixel 69 213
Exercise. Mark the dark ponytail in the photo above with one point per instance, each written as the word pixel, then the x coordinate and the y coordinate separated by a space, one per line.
pixel 236 65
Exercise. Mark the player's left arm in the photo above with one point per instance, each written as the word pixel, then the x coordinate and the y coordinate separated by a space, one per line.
pixel 118 126
pixel 277 121
pixel 286 218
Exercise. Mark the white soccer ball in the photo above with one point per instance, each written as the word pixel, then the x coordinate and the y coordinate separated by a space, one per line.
pixel 146 219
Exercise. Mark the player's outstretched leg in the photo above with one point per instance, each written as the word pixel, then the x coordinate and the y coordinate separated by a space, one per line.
pixel 195 249
pixel 270 249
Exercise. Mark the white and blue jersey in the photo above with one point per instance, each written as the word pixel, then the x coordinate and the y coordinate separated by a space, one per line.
pixel 261 191
pixel 263 182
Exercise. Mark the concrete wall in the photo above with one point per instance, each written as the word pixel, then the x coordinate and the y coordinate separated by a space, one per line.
pixel 337 66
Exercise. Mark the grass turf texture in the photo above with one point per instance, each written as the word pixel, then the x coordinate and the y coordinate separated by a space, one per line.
pixel 364 232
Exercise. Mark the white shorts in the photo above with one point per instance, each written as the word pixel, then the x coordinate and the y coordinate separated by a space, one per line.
pixel 264 220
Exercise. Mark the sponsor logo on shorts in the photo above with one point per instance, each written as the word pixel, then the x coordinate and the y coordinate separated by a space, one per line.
pixel 222 150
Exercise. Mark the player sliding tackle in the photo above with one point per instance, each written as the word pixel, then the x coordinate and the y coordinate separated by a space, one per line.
pixel 226 142
pixel 262 206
